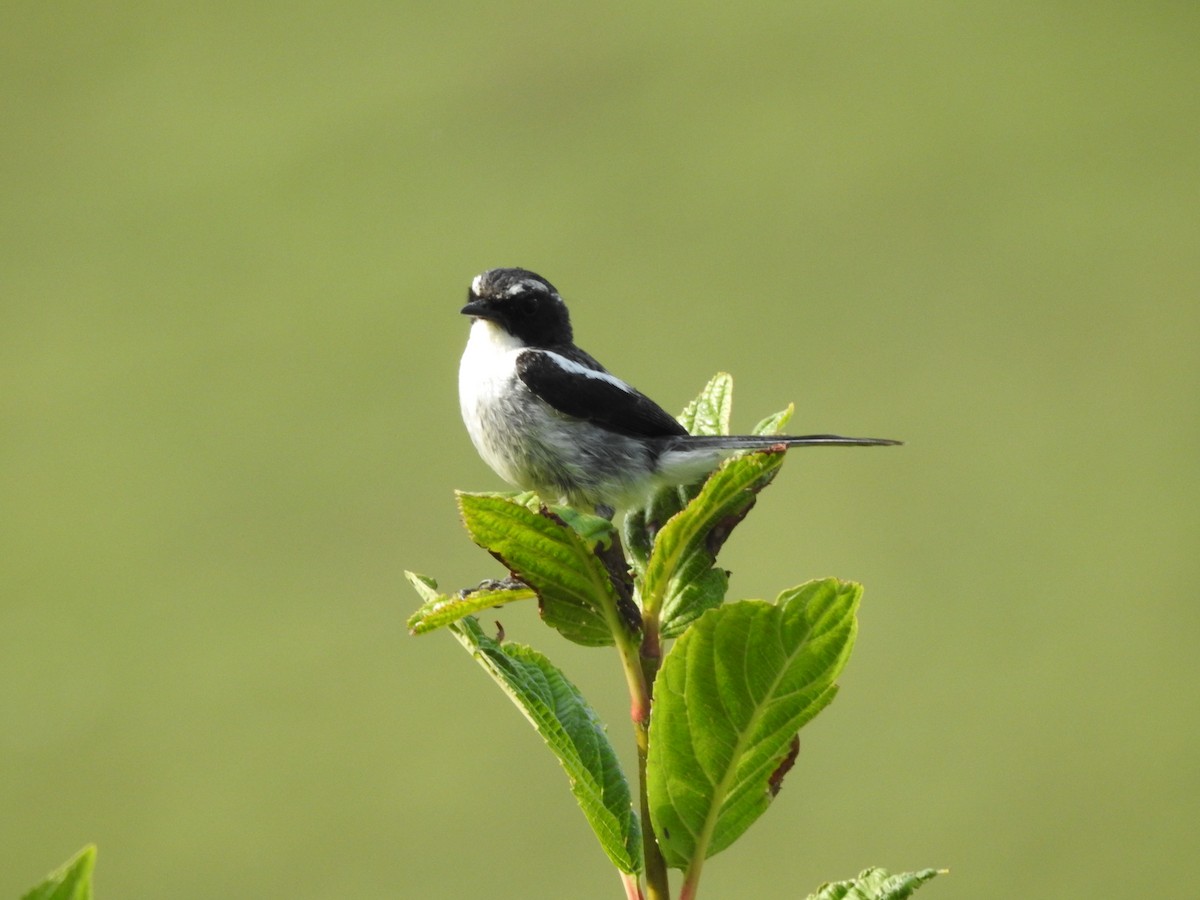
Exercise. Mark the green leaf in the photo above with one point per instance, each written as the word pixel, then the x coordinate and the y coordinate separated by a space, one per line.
pixel 641 525
pixel 73 881
pixel 711 411
pixel 425 586
pixel 439 609
pixel 595 530
pixel 776 423
pixel 686 548
pixel 572 731
pixel 690 597
pixel 733 692
pixel 876 884
pixel 576 594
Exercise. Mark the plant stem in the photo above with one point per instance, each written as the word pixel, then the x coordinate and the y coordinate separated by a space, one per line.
pixel 691 881
pixel 635 679
pixel 633 889
pixel 639 675
pixel 657 886
pixel 657 883
pixel 640 664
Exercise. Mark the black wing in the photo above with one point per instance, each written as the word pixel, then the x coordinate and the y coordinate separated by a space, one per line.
pixel 576 385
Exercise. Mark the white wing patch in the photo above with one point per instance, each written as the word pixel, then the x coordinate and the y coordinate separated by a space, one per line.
pixel 569 365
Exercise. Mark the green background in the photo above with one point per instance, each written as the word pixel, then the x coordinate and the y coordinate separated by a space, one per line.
pixel 234 239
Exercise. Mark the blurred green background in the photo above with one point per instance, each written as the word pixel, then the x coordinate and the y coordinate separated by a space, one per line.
pixel 233 243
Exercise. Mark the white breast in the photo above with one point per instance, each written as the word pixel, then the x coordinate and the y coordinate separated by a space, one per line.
pixel 488 363
pixel 485 375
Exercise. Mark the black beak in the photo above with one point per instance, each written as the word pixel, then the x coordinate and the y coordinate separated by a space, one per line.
pixel 478 308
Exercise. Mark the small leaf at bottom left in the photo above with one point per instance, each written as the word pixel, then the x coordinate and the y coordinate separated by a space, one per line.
pixel 572 731
pixel 73 881
pixel 440 610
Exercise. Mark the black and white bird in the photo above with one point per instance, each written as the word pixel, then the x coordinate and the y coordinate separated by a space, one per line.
pixel 548 418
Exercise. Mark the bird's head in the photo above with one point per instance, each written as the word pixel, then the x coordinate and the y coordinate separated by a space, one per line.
pixel 521 302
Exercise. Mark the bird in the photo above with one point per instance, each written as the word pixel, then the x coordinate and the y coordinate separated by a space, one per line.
pixel 548 418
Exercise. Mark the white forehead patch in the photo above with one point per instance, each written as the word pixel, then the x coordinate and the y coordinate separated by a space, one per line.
pixel 525 284
pixel 476 283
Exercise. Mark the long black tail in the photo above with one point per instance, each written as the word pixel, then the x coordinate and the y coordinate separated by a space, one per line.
pixel 760 441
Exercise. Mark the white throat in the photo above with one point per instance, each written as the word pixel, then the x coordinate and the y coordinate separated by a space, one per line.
pixel 489 349
pixel 488 363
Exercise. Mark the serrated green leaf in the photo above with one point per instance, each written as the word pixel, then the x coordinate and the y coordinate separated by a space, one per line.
pixel 709 414
pixel 637 537
pixel 875 884
pixel 688 543
pixel 733 692
pixel 711 411
pixel 72 881
pixel 775 424
pixel 576 595
pixel 693 597
pixel 440 609
pixel 595 530
pixel 572 731
pixel 641 525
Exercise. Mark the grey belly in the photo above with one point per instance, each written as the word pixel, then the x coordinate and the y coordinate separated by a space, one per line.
pixel 563 459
